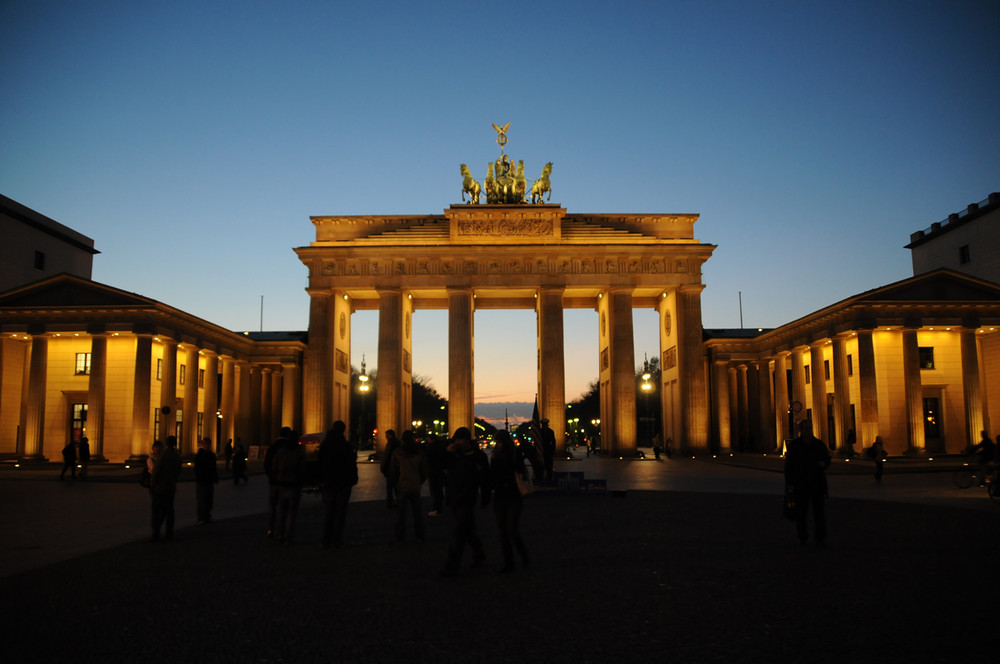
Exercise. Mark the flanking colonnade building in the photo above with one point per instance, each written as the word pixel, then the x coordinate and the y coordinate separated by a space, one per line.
pixel 917 361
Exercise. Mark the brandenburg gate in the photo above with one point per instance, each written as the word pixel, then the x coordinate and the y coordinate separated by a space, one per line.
pixel 509 253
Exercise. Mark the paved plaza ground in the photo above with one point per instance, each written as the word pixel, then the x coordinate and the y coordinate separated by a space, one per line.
pixel 684 560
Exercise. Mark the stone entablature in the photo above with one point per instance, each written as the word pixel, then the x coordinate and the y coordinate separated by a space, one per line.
pixel 511 224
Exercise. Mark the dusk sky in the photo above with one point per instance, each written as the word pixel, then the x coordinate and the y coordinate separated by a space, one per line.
pixel 193 140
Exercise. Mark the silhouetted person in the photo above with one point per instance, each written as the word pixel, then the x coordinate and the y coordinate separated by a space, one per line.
pixel 805 465
pixel 206 475
pixel 69 460
pixel 289 466
pixel 239 463
pixel 548 449
pixel 84 455
pixel 272 486
pixel 986 450
pixel 468 476
pixel 407 473
pixel 163 487
pixel 229 452
pixel 391 443
pixel 852 438
pixel 507 500
pixel 435 452
pixel 338 468
pixel 877 452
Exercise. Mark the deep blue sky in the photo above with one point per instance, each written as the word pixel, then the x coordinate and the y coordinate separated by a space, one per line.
pixel 193 140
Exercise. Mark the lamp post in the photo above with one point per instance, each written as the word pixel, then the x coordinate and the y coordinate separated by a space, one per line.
pixel 363 388
pixel 646 387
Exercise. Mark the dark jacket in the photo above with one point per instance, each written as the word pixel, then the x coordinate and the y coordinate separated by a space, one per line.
pixel 205 470
pixel 805 463
pixel 289 464
pixel 338 462
pixel 166 471
pixel 468 475
pixel 390 447
pixel 503 467
pixel 408 468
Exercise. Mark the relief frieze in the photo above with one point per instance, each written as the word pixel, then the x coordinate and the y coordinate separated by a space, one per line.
pixel 504 227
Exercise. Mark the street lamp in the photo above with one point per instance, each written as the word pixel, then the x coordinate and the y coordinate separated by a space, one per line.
pixel 646 387
pixel 363 389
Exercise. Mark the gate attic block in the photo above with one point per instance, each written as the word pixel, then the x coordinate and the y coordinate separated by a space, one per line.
pixel 510 257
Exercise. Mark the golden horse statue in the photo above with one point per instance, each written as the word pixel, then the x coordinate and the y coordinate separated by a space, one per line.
pixel 490 184
pixel 469 185
pixel 542 185
pixel 520 184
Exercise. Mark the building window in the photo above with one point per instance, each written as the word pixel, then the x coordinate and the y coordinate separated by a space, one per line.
pixel 850 365
pixel 963 254
pixel 808 377
pixel 182 376
pixel 78 424
pixel 159 369
pixel 82 364
pixel 201 426
pixel 926 357
pixel 201 378
pixel 826 369
pixel 39 260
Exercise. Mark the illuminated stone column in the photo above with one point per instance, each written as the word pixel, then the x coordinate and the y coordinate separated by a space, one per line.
pixel 34 412
pixel 242 422
pixel 389 380
pixel 168 389
pixel 290 401
pixel 253 411
pixel 142 440
pixel 765 405
pixel 742 408
pixel 820 420
pixel 913 389
pixel 622 358
pixel 227 405
pixel 461 360
pixel 781 401
pixel 275 406
pixel 691 362
pixel 189 443
pixel 867 390
pixel 798 388
pixel 210 398
pixel 317 402
pixel 96 393
pixel 841 392
pixel 723 415
pixel 264 434
pixel 551 362
pixel 972 387
pixel 340 331
pixel 734 408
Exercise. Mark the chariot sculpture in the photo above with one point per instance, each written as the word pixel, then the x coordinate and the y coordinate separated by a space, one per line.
pixel 505 182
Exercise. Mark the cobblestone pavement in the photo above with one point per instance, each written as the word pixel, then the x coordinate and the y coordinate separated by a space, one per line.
pixel 684 561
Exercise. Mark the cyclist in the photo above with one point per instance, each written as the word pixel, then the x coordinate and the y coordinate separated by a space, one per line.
pixel 986 451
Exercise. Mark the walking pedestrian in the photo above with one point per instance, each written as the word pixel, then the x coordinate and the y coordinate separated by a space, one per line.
pixel 505 466
pixel 391 443
pixel 206 475
pixel 69 460
pixel 805 465
pixel 289 465
pixel 435 453
pixel 338 467
pixel 407 473
pixel 240 464
pixel 877 453
pixel 272 485
pixel 468 478
pixel 163 487
pixel 229 452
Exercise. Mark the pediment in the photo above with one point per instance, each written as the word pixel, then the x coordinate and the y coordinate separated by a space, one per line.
pixel 937 286
pixel 65 290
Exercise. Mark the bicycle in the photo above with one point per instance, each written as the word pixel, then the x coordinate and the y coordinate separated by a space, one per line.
pixel 968 475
